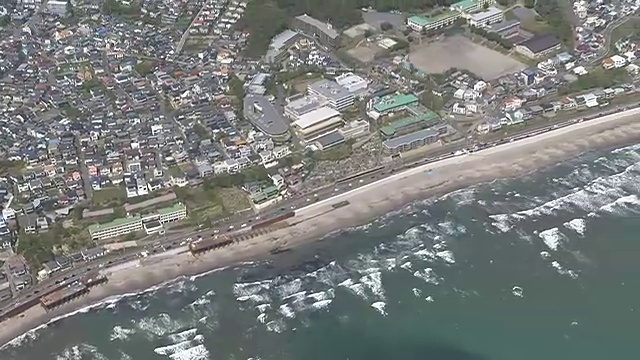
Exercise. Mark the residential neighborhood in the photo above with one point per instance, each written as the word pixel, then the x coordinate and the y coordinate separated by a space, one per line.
pixel 127 121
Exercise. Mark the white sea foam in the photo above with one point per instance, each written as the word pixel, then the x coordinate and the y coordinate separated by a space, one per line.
pixel 183 335
pixel 452 229
pixel 322 304
pixel 160 325
pixel 120 333
pixel 416 292
pixel 552 238
pixel 263 307
pixel 25 338
pixel 407 266
pixel 380 306
pixel 501 222
pixel 620 205
pixel 262 318
pixel 578 225
pixel 564 271
pixel 429 299
pixel 287 311
pixel 428 275
pixel 373 282
pixel 425 254
pixel 81 352
pixel 447 256
pixel 276 326
pixel 198 352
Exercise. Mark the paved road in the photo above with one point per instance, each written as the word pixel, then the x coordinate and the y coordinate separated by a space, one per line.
pixel 174 240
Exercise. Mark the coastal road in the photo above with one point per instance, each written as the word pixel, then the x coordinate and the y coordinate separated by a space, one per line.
pixel 332 195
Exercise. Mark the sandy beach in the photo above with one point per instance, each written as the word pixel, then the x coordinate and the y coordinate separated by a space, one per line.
pixel 366 203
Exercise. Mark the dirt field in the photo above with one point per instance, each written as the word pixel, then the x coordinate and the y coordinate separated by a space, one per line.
pixel 459 52
pixel 364 53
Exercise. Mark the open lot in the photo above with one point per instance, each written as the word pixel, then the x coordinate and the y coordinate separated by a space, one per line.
pixel 365 52
pixel 461 53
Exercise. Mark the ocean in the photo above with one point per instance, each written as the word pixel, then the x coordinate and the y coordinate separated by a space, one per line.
pixel 541 267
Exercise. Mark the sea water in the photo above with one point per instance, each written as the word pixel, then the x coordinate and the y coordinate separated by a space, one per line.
pixel 541 267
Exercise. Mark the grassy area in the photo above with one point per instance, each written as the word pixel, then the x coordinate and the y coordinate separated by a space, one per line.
pixel 536 26
pixel 203 206
pixel 233 199
pixel 300 83
pixel 629 28
pixel 40 248
pixel 109 197
pixel 336 153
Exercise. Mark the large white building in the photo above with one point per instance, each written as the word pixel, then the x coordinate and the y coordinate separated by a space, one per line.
pixel 484 18
pixel 150 223
pixel 302 105
pixel 352 82
pixel 332 93
pixel 317 123
pixel 420 23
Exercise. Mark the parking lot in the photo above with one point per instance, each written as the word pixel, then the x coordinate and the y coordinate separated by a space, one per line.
pixel 461 53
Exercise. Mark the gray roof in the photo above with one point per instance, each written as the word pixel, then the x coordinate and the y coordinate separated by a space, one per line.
pixel 304 104
pixel 501 26
pixel 330 89
pixel 540 43
pixel 269 120
pixel 279 41
pixel 324 27
pixel 332 138
pixel 409 138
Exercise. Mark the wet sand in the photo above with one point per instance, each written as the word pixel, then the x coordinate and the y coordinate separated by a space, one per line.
pixel 366 203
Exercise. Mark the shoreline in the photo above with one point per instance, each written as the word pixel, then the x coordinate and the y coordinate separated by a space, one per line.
pixel 319 219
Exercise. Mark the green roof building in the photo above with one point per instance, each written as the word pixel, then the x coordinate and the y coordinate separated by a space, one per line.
pixel 417 120
pixel 394 102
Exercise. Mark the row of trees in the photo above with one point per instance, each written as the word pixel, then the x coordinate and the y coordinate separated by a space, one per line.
pixel 554 15
pixel 491 36
pixel 264 19
pixel 597 78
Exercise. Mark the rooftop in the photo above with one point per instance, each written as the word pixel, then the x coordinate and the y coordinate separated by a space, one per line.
pixel 114 223
pixel 465 5
pixel 324 27
pixel 418 117
pixel 492 11
pixel 540 43
pixel 409 138
pixel 423 21
pixel 267 118
pixel 304 104
pixel 281 40
pixel 393 101
pixel 316 116
pixel 329 89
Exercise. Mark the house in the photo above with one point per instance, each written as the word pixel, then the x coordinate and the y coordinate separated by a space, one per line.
pixel 512 103
pixel 28 223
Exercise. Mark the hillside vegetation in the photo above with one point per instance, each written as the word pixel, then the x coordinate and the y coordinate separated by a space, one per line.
pixel 266 18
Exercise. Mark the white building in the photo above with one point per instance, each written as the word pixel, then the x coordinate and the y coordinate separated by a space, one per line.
pixel 618 61
pixel 300 106
pixel 124 226
pixel 317 123
pixel 352 82
pixel 419 23
pixel 484 18
pixel 332 93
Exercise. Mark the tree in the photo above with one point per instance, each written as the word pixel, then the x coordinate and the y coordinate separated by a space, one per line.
pixel 486 5
pixel 69 10
pixel 386 26
pixel 529 4
pixel 368 33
